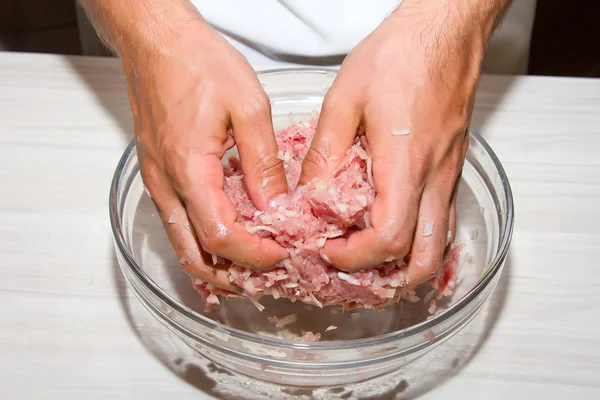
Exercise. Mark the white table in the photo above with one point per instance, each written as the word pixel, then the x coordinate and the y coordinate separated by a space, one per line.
pixel 70 329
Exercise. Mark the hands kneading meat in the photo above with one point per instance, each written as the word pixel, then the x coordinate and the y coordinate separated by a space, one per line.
pixel 303 220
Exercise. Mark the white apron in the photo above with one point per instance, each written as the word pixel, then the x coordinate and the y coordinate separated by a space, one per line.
pixel 274 33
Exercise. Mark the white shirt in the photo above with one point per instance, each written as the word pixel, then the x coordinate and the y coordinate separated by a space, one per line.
pixel 275 33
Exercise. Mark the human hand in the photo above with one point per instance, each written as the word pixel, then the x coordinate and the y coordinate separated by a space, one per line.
pixel 407 90
pixel 193 96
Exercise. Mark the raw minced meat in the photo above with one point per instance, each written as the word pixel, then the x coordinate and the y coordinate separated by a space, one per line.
pixel 304 219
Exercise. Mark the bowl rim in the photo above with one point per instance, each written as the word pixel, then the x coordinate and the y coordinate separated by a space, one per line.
pixel 420 328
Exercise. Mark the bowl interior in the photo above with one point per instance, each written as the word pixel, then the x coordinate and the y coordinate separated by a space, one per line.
pixel 479 228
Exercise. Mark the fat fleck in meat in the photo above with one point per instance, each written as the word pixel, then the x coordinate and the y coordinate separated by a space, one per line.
pixel 304 219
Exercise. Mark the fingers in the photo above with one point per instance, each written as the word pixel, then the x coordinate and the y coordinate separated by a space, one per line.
pixel 175 221
pixel 398 173
pixel 213 216
pixel 430 237
pixel 451 235
pixel 255 139
pixel 452 216
pixel 197 176
pixel 335 134
pixel 436 225
pixel 387 240
pixel 393 218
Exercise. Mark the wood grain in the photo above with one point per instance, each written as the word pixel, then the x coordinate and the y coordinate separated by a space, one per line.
pixel 70 329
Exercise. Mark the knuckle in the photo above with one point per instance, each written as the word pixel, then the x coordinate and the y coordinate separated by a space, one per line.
pixel 195 270
pixel 255 109
pixel 213 238
pixel 338 102
pixel 433 264
pixel 269 166
pixel 316 159
pixel 212 244
pixel 459 120
pixel 398 245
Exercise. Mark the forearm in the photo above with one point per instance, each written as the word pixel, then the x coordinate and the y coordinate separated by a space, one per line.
pixel 473 20
pixel 450 32
pixel 126 25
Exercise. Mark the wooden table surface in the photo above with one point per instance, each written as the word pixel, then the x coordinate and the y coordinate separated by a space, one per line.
pixel 71 329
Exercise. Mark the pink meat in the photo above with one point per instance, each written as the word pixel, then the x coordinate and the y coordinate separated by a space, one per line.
pixel 304 219
pixel 310 337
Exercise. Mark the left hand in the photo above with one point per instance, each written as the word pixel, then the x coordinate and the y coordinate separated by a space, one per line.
pixel 415 72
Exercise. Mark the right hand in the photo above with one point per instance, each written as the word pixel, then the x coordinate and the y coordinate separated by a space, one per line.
pixel 193 96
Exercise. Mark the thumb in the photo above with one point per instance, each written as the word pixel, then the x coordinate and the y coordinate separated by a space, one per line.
pixel 336 130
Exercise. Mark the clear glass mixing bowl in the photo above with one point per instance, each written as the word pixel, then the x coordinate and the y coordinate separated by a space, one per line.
pixel 366 343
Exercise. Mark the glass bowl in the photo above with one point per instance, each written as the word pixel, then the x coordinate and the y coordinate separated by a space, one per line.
pixel 366 343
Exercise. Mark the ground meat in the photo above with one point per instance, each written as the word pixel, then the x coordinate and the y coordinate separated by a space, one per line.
pixel 304 219
pixel 310 337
